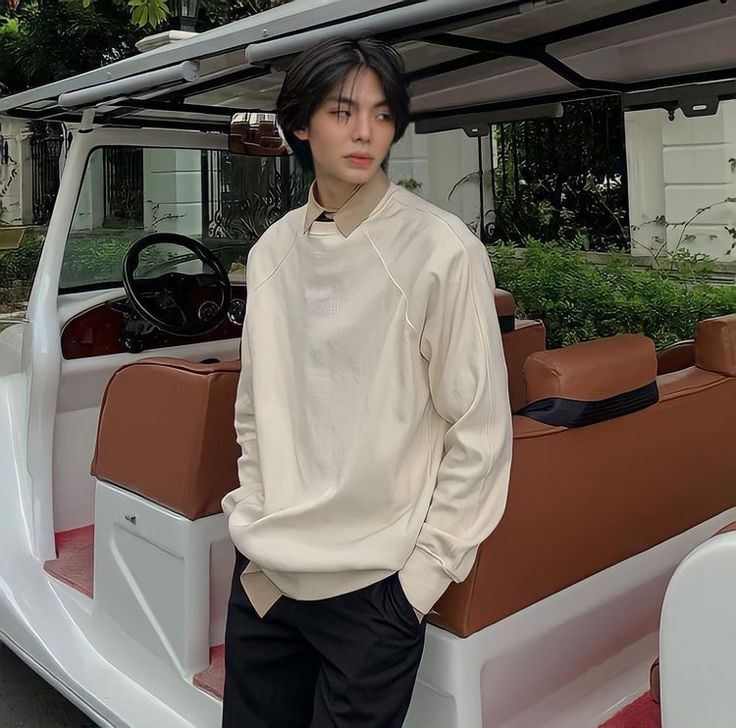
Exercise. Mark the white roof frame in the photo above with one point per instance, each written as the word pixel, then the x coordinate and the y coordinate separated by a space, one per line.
pixel 462 56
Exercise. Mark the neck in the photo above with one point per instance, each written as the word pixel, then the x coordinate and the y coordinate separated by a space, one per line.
pixel 332 193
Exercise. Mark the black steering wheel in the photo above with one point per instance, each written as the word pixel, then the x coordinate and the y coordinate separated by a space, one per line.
pixel 183 304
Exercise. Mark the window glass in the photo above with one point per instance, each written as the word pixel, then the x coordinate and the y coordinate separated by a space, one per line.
pixel 226 201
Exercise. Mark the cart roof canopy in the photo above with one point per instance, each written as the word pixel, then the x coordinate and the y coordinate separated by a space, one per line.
pixel 462 56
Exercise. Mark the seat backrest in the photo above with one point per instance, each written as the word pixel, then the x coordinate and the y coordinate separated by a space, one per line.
pixel 583 498
pixel 715 345
pixel 166 432
pixel 520 338
pixel 527 337
pixel 166 427
pixel 674 357
pixel 505 308
pixel 591 381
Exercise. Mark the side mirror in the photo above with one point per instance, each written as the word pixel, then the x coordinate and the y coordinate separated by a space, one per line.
pixel 257 135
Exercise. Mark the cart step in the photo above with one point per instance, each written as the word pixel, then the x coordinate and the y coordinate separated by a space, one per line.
pixel 74 562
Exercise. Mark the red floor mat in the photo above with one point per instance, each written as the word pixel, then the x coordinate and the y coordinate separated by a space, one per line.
pixel 212 678
pixel 74 562
pixel 642 713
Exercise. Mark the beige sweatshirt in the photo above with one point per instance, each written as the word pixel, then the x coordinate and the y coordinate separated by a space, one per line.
pixel 372 407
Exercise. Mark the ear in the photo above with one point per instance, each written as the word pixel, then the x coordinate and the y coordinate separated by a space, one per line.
pixel 302 134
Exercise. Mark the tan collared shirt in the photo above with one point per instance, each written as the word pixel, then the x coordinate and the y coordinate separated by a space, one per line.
pixel 357 208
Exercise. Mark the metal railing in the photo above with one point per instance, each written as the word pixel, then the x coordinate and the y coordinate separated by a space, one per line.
pixel 123 182
pixel 45 154
pixel 552 177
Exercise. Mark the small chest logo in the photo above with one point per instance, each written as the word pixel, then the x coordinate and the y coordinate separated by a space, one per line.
pixel 323 305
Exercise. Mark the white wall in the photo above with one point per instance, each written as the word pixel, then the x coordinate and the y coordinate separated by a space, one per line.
pixel 172 192
pixel 90 212
pixel 172 179
pixel 676 168
pixel 438 161
pixel 15 176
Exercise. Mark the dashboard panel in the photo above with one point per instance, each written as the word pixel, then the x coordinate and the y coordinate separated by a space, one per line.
pixel 113 328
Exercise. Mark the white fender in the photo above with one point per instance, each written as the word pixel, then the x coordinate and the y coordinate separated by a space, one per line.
pixel 698 639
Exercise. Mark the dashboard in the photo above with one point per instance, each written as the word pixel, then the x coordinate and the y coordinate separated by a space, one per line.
pixel 113 327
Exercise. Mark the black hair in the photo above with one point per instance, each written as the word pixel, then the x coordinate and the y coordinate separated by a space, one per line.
pixel 318 70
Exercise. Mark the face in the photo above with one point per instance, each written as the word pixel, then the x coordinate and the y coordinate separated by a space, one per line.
pixel 350 133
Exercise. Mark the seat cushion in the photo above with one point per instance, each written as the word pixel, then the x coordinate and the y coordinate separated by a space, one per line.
pixel 167 432
pixel 715 345
pixel 675 357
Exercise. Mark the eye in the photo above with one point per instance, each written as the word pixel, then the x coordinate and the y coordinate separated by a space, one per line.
pixel 341 113
pixel 384 116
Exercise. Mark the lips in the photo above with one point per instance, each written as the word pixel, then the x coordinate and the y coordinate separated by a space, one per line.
pixel 360 160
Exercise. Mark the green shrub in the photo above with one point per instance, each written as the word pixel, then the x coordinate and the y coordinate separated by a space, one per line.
pixel 17 270
pixel 578 300
pixel 95 257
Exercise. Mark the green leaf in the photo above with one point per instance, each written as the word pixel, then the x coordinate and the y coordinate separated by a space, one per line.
pixel 140 16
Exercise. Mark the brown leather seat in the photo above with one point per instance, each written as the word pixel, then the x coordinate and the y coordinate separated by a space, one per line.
pixel 526 338
pixel 505 308
pixel 167 432
pixel 520 338
pixel 676 356
pixel 584 498
pixel 166 428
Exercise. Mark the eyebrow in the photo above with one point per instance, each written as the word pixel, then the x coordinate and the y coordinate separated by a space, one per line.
pixel 345 101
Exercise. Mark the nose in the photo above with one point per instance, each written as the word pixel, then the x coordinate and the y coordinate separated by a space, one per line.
pixel 362 128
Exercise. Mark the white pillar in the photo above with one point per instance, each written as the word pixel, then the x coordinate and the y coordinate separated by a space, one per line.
pixel 438 162
pixel 15 175
pixel 675 169
pixel 172 191
pixel 643 130
pixel 698 174
pixel 90 212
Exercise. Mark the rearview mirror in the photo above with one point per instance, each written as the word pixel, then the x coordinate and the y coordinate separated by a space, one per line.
pixel 257 135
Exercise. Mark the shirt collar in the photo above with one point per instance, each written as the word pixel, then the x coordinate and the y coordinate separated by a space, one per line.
pixel 357 208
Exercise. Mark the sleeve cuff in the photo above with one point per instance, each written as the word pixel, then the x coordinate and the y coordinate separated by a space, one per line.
pixel 423 580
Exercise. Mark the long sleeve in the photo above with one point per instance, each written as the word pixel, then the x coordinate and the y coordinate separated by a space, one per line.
pixel 249 496
pixel 461 342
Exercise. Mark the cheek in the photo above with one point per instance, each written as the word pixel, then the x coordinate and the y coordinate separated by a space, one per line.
pixel 387 135
pixel 331 137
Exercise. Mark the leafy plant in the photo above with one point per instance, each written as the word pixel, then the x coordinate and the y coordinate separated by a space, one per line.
pixel 35 34
pixel 17 271
pixel 578 300
pixel 34 47
pixel 563 179
pixel 409 183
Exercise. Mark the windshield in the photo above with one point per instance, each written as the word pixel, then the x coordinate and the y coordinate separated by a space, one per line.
pixel 224 200
pixel 227 201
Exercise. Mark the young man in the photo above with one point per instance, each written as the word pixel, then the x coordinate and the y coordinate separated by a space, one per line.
pixel 372 412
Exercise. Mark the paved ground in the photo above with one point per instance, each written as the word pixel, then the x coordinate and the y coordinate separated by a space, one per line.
pixel 27 701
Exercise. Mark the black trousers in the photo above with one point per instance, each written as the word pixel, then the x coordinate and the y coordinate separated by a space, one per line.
pixel 345 662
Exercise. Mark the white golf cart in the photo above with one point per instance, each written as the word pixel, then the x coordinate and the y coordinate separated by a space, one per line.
pixel 113 586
